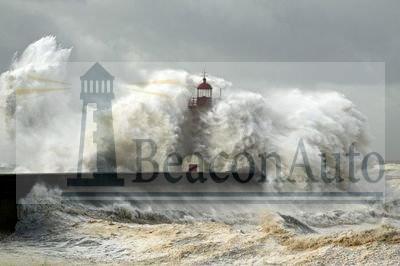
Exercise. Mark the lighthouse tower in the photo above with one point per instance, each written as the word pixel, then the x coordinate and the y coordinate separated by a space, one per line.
pixel 194 129
pixel 97 87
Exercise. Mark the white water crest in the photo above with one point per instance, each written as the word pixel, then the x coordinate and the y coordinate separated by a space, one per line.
pixel 46 126
pixel 327 122
pixel 29 117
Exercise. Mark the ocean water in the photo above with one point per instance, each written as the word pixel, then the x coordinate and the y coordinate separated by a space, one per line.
pixel 56 230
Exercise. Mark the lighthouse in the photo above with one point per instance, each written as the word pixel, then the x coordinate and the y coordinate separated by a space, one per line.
pixel 195 137
pixel 203 99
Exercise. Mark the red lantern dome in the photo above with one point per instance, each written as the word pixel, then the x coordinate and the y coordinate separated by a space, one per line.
pixel 204 85
pixel 204 95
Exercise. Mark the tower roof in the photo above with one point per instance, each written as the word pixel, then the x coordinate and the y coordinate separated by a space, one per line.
pixel 204 86
pixel 97 72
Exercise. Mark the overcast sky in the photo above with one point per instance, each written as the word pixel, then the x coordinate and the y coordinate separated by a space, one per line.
pixel 220 30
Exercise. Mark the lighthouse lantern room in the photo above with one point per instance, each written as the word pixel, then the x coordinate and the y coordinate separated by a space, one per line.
pixel 204 95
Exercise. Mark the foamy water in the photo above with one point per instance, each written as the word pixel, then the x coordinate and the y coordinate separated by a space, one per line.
pixel 58 230
pixel 47 124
